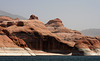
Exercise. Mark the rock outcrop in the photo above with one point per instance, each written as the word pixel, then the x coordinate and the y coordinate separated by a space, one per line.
pixel 61 31
pixel 52 37
pixel 35 35
pixel 5 41
pixel 83 45
pixel 32 17
pixel 56 26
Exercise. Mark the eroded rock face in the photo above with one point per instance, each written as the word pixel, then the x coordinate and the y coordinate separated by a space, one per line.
pixel 61 31
pixel 18 42
pixel 88 46
pixel 35 35
pixel 5 41
pixel 83 45
pixel 51 37
pixel 38 38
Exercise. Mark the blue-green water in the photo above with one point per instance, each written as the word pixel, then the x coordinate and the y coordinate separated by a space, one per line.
pixel 49 58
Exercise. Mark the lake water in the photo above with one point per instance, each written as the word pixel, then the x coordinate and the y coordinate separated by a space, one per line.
pixel 49 58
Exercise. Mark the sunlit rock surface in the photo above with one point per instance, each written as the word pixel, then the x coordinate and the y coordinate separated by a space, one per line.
pixel 33 37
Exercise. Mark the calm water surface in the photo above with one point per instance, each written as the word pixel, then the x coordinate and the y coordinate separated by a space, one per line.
pixel 49 58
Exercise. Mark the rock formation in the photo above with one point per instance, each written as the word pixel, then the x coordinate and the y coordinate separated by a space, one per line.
pixel 56 26
pixel 52 37
pixel 33 17
pixel 83 45
pixel 5 41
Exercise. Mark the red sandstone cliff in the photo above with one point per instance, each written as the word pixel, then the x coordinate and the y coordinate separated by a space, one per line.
pixel 51 37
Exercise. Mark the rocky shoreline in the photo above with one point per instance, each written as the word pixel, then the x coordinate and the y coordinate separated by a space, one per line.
pixel 51 38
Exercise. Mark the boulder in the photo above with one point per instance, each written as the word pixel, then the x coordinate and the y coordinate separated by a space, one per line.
pixel 33 17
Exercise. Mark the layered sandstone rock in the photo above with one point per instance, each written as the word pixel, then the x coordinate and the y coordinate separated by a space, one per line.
pixel 28 36
pixel 11 46
pixel 88 46
pixel 34 34
pixel 56 26
pixel 37 36
pixel 83 45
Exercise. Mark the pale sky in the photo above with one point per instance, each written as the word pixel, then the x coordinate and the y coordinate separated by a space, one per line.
pixel 75 14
